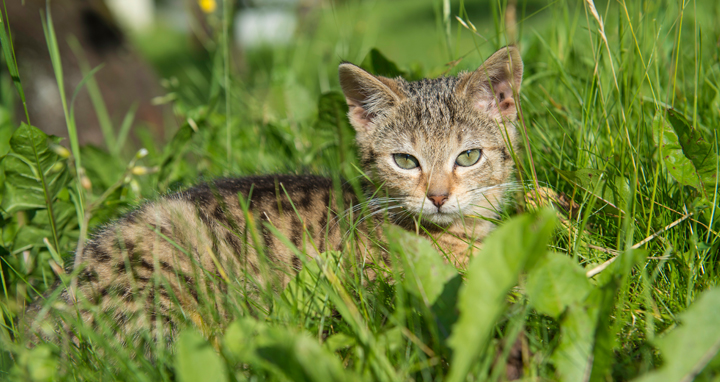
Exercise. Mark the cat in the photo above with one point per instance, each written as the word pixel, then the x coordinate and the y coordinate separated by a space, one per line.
pixel 438 156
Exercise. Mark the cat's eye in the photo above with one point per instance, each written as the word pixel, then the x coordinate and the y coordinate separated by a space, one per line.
pixel 468 158
pixel 406 161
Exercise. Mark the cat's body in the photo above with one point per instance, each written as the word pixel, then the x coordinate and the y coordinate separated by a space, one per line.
pixel 437 152
pixel 177 252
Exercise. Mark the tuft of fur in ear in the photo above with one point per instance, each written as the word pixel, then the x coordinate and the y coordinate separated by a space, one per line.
pixel 495 84
pixel 367 96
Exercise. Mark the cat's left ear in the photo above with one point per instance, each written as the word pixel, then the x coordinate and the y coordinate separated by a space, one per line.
pixel 494 86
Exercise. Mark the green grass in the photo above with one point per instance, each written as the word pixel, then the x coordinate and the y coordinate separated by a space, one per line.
pixel 596 102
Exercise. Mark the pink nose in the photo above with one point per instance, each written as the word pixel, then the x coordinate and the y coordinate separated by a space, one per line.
pixel 438 200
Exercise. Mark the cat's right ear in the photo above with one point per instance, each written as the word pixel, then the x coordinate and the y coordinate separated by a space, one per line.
pixel 367 96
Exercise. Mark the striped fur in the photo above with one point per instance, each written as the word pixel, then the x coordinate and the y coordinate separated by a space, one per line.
pixel 161 260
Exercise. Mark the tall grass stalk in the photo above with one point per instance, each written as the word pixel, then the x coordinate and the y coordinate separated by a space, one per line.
pixel 227 15
pixel 54 51
pixel 10 59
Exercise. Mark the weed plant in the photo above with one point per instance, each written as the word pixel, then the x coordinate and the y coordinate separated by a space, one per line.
pixel 606 268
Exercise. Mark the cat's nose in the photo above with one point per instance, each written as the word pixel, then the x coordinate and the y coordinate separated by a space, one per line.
pixel 438 200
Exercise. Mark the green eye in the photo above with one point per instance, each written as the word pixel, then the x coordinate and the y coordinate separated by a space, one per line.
pixel 468 158
pixel 406 161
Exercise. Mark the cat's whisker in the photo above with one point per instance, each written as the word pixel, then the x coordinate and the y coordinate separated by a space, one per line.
pixel 371 204
pixel 347 181
pixel 403 216
pixel 530 184
pixel 359 222
pixel 386 209
pixel 509 186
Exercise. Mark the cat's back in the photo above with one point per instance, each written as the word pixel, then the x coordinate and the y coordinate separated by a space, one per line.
pixel 185 246
pixel 223 216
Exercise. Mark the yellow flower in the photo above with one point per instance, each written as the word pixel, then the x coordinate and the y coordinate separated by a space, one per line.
pixel 139 170
pixel 208 6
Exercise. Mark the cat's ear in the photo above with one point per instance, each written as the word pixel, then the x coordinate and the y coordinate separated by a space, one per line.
pixel 494 86
pixel 367 96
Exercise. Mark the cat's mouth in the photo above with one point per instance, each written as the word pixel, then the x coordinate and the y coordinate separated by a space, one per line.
pixel 444 216
pixel 401 211
pixel 439 217
pixel 432 214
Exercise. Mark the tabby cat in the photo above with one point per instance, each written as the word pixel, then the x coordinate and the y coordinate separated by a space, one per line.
pixel 438 158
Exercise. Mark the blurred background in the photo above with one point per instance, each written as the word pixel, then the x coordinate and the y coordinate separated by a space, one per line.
pixel 155 59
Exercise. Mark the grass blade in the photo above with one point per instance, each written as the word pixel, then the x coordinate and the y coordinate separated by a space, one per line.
pixel 53 49
pixel 10 60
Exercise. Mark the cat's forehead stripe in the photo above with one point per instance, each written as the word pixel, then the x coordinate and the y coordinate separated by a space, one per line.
pixel 428 86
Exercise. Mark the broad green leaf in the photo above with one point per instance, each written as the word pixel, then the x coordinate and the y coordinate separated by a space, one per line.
pixel 426 276
pixel 29 236
pixel 379 65
pixel 696 147
pixel 239 339
pixel 671 154
pixel 17 199
pixel 584 352
pixel 32 168
pixel 445 306
pixel 587 336
pixel 614 191
pixel 425 270
pixel 555 283
pixel 490 276
pixel 339 341
pixel 37 365
pixel 688 348
pixel 573 356
pixel 281 351
pixel 312 362
pixel 585 348
pixel 197 360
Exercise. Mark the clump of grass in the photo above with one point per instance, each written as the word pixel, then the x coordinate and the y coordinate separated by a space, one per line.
pixel 620 108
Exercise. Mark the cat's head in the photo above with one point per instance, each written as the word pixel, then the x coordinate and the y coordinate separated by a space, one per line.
pixel 440 148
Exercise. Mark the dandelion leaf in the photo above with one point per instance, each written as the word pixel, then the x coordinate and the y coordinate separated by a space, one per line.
pixel 491 274
pixel 555 283
pixel 197 360
pixel 34 173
